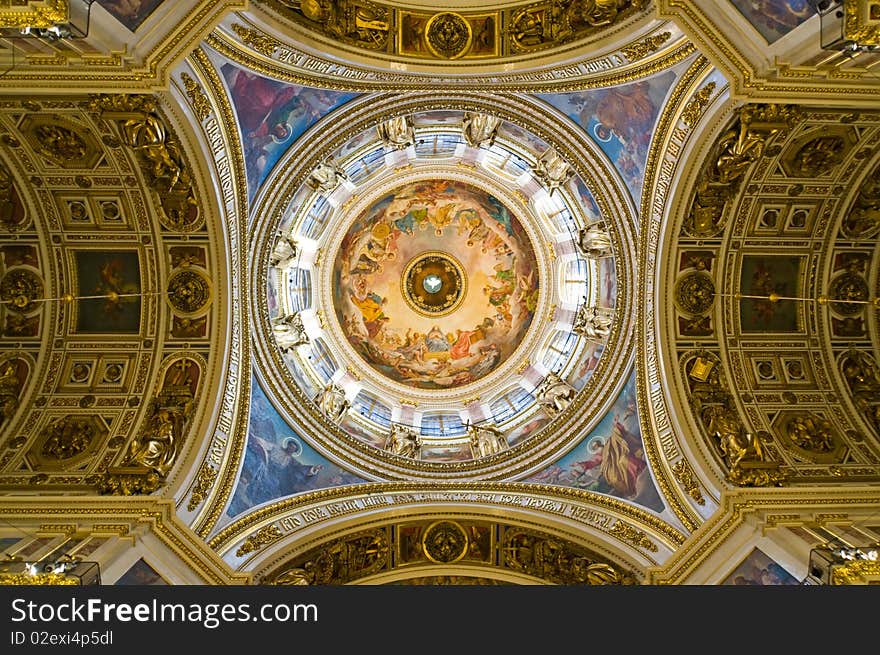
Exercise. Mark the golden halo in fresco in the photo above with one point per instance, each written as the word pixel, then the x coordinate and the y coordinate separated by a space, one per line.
pixel 433 284
pixel 391 283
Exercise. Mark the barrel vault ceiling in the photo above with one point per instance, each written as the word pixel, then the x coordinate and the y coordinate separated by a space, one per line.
pixel 364 292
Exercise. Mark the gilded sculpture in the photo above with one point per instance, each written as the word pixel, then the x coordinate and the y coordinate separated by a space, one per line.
pixel 554 394
pixel 403 441
pixel 10 388
pixel 333 403
pixel 862 221
pixel 290 331
pixel 326 176
pixel 735 152
pixel 397 133
pixel 486 440
pixel 161 157
pixel 594 241
pixel 594 323
pixel 555 560
pixel 479 130
pixel 552 170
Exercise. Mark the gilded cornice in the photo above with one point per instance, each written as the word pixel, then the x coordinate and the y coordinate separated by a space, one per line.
pixel 266 55
pixel 658 436
pixel 294 518
pixel 114 72
pixel 123 516
pixel 225 447
pixel 529 454
pixel 754 79
pixel 802 505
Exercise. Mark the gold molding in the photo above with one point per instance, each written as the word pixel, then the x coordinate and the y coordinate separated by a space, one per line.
pixel 34 14
pixel 156 515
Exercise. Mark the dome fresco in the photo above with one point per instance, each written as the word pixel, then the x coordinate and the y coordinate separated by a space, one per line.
pixel 386 310
pixel 424 279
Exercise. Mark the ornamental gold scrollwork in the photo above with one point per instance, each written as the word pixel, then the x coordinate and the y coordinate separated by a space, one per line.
pixel 21 288
pixel 204 482
pixel 263 44
pixel 695 106
pixel 160 154
pixel 444 542
pixel 685 476
pixel 735 152
pixel 200 103
pixel 860 24
pixel 645 47
pixel 189 291
pixel 262 537
pixel 636 537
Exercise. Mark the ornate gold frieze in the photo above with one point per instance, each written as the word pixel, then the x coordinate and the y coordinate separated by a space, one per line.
pixel 643 48
pixel 426 34
pixel 536 554
pixel 33 13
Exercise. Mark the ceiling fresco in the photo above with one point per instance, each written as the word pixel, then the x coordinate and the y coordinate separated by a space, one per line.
pixel 363 293
pixel 437 283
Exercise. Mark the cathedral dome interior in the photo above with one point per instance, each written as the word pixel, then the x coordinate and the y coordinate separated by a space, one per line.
pixel 326 292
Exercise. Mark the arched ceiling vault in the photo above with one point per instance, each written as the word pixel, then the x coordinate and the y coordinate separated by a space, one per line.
pixel 227 233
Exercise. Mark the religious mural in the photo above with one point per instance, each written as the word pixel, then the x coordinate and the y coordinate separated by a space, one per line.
pixel 131 13
pixel 774 18
pixel 436 284
pixel 763 275
pixel 611 459
pixel 620 119
pixel 142 574
pixel 272 115
pixel 277 461
pixel 102 273
pixel 759 570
